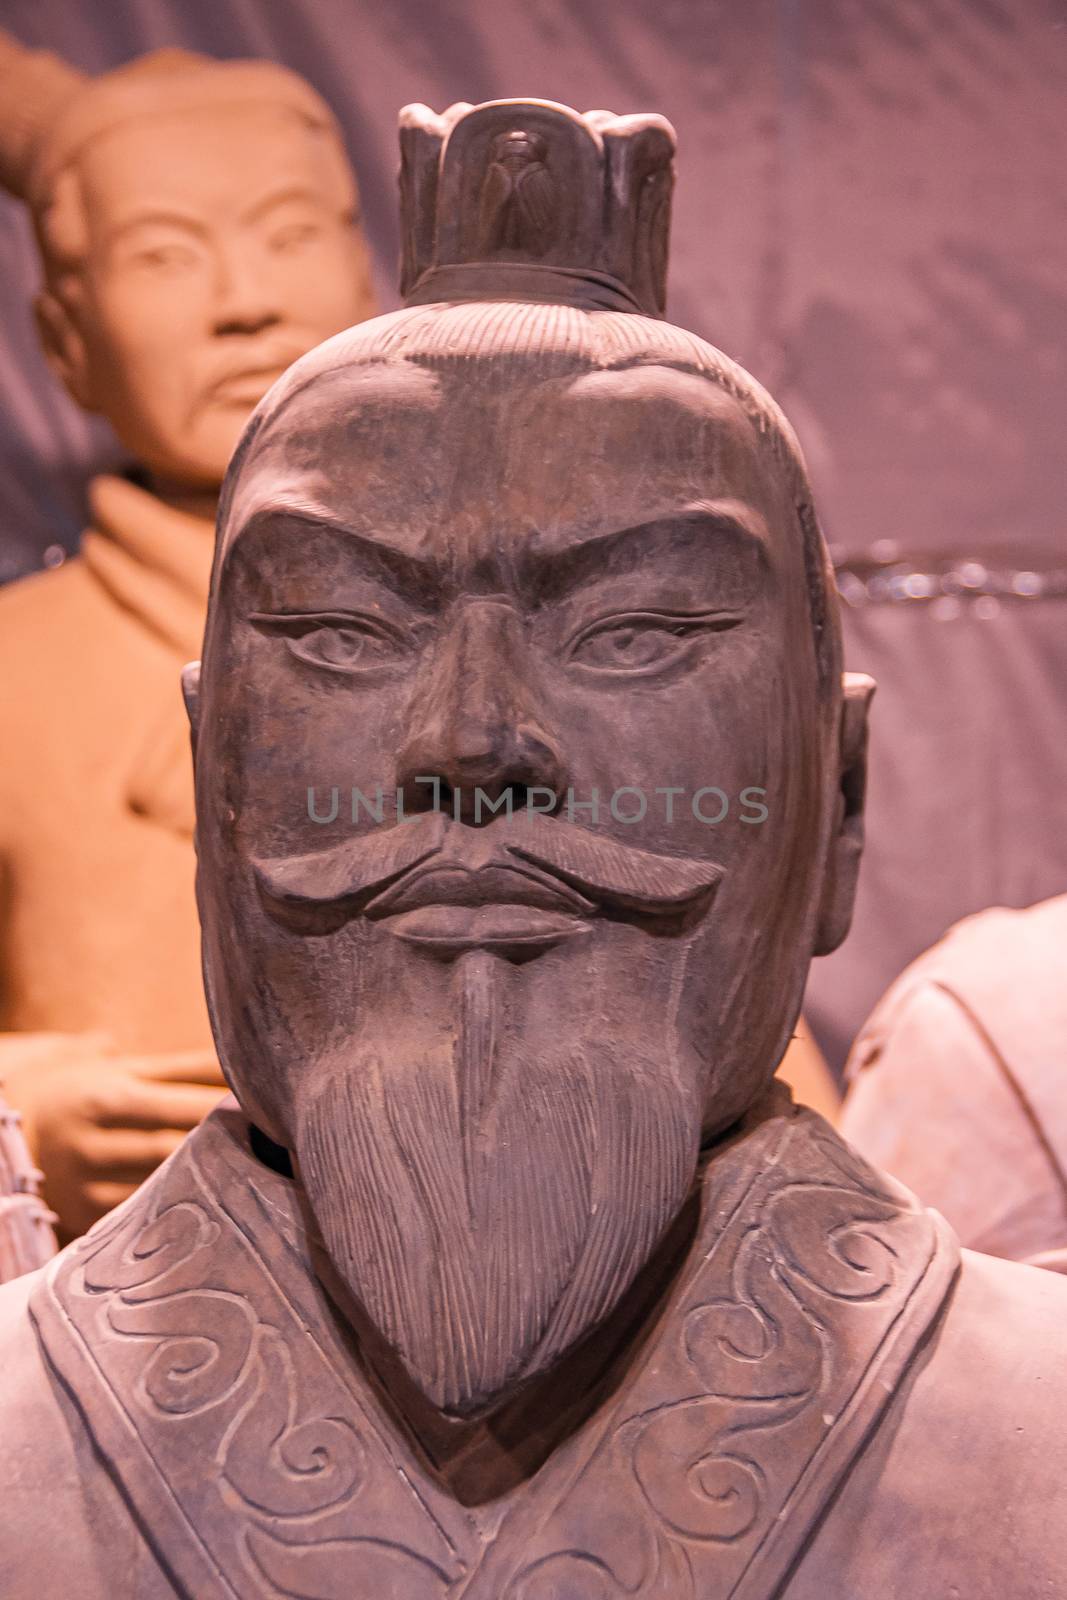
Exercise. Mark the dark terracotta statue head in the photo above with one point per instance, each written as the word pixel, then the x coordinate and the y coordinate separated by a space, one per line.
pixel 526 783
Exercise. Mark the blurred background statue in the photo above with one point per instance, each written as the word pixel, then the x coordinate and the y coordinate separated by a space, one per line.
pixel 198 230
pixel 26 1237
pixel 959 1082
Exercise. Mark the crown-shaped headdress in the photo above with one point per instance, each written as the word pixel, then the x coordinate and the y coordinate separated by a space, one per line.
pixel 528 200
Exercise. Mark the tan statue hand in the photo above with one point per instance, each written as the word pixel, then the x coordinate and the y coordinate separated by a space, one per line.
pixel 99 1123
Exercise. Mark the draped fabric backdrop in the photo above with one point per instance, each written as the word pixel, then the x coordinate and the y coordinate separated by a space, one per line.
pixel 870 216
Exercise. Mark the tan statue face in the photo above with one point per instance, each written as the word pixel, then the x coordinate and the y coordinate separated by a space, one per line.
pixel 219 249
pixel 494 1042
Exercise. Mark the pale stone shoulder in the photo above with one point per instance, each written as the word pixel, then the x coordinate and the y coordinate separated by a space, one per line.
pixel 1037 933
pixel 960 1491
pixel 64 1530
pixel 957 1082
pixel 999 960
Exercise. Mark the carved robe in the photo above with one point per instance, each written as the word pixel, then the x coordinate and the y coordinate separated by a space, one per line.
pixel 825 1406
pixel 98 927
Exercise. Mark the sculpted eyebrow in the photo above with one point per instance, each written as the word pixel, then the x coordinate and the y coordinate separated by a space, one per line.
pixel 549 574
pixel 412 578
pixel 291 192
pixel 156 219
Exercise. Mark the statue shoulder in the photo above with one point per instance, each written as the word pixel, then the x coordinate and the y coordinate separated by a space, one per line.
pixel 64 1529
pixel 38 1463
pixel 1001 969
pixel 44 618
pixel 999 1366
pixel 955 1080
pixel 959 1490
pixel 29 600
pixel 74 657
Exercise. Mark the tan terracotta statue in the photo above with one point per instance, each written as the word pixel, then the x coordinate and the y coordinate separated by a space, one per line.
pixel 527 785
pixel 959 1082
pixel 197 225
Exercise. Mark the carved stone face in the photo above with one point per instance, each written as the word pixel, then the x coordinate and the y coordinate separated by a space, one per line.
pixel 494 1044
pixel 217 250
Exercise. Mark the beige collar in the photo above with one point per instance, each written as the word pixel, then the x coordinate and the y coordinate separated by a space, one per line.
pixel 153 560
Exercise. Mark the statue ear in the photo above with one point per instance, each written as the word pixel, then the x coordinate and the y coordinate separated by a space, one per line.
pixel 846 844
pixel 191 696
pixel 64 347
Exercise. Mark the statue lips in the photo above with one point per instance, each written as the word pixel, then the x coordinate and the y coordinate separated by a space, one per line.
pixel 245 379
pixel 246 387
pixel 447 908
pixel 517 886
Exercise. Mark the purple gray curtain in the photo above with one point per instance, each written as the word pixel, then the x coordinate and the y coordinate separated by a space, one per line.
pixel 871 215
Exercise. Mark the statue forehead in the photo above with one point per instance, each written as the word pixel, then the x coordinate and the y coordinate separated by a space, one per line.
pixel 394 440
pixel 168 155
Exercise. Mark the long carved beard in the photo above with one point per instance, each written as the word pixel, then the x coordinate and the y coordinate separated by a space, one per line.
pixel 487 1207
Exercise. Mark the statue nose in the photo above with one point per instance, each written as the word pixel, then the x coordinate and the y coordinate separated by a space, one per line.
pixel 478 725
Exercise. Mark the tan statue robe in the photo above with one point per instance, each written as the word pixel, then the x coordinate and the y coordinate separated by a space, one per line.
pixel 828 1405
pixel 97 916
pixel 959 1082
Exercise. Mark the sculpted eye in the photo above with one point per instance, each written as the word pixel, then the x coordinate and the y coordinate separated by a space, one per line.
pixel 165 258
pixel 643 641
pixel 340 643
pixel 294 235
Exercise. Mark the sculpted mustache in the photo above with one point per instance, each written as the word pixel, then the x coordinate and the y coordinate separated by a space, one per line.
pixel 355 870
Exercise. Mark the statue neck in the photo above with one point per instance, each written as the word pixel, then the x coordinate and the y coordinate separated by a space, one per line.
pixel 189 499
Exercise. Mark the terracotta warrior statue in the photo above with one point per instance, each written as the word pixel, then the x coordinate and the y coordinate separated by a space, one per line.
pixel 197 228
pixel 959 1081
pixel 527 785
